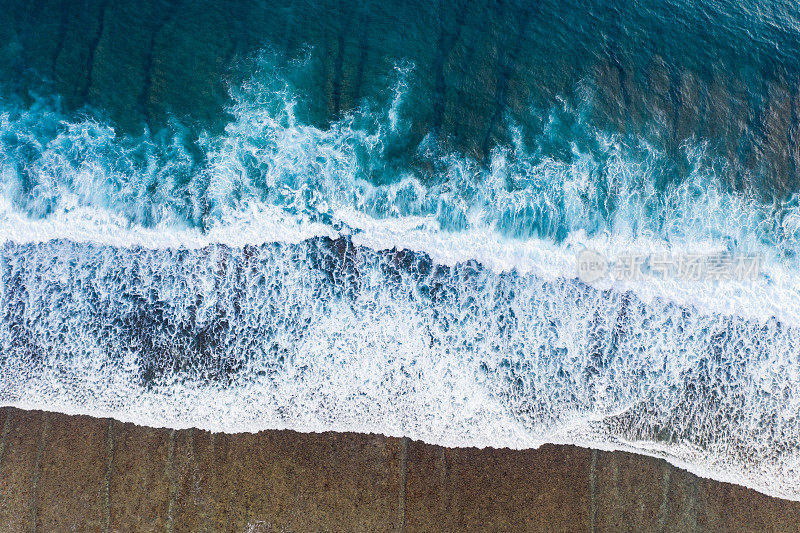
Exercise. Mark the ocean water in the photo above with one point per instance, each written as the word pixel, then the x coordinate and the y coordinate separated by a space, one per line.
pixel 353 236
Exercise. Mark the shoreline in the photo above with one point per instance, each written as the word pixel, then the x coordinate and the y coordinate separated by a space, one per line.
pixel 62 472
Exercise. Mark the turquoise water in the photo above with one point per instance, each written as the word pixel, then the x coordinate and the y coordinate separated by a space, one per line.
pixel 272 219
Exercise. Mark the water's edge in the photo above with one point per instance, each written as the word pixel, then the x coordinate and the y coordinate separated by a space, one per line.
pixel 103 474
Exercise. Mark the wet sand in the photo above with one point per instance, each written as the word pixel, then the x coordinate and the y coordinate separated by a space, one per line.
pixel 78 473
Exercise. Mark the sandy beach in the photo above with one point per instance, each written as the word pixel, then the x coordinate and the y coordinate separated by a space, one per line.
pixel 77 473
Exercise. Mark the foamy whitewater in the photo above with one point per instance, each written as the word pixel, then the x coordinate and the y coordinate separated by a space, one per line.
pixel 289 275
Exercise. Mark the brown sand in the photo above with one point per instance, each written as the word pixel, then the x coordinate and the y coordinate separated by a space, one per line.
pixel 77 473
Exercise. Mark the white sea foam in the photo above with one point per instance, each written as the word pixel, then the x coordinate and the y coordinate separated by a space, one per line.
pixel 314 338
pixel 775 293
